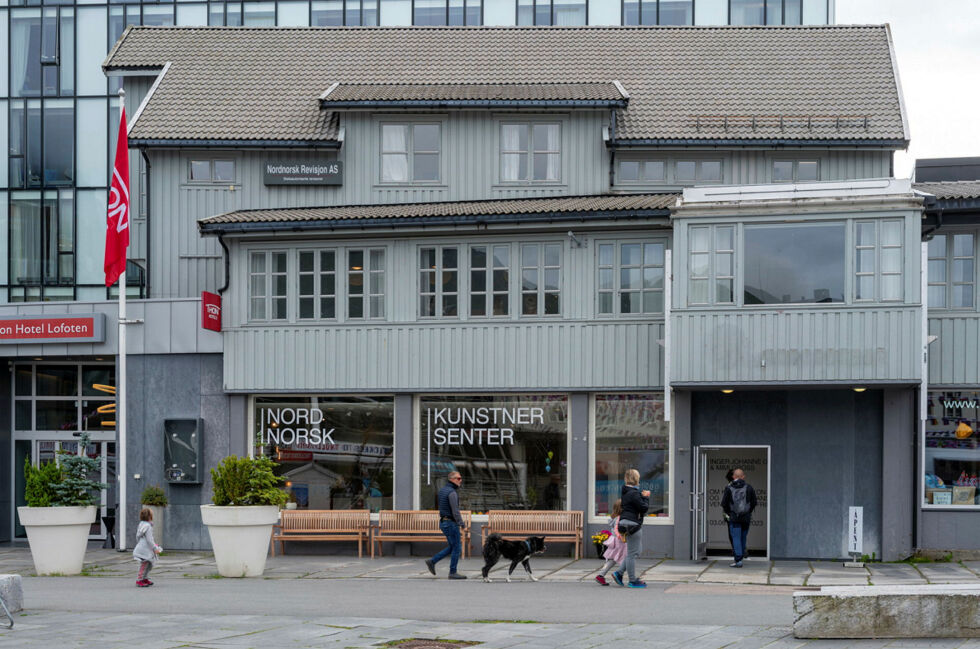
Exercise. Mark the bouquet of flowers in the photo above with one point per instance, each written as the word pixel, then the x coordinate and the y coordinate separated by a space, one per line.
pixel 601 536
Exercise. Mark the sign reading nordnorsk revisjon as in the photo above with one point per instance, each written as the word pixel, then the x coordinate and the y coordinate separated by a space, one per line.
pixel 317 172
pixel 73 328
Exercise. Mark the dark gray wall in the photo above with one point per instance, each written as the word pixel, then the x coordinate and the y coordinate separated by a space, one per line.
pixel 949 530
pixel 178 386
pixel 826 455
pixel 404 459
pixel 6 498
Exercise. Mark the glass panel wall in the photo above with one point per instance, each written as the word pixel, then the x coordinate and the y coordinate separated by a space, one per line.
pixel 511 450
pixel 333 452
pixel 794 264
pixel 630 433
pixel 952 450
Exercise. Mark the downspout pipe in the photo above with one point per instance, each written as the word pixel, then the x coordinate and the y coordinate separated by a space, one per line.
pixel 227 257
pixel 149 229
pixel 612 148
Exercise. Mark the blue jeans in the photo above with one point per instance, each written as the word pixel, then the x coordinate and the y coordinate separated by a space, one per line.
pixel 634 545
pixel 740 533
pixel 451 530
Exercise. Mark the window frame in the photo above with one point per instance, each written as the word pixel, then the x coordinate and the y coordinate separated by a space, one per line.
pixel 210 181
pixel 410 151
pixel 877 273
pixel 489 293
pixel 712 252
pixel 541 269
pixel 949 261
pixel 795 176
pixel 318 295
pixel 530 152
pixel 438 271
pixel 366 297
pixel 617 268
pixel 268 275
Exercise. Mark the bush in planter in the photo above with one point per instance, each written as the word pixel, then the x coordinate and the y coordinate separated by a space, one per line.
pixel 154 496
pixel 247 481
pixel 246 500
pixel 60 510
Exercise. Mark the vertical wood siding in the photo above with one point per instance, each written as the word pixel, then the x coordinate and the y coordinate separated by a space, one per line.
pixel 954 358
pixel 445 357
pixel 801 345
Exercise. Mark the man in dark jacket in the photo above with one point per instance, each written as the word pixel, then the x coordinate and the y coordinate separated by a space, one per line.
pixel 635 504
pixel 450 521
pixel 738 502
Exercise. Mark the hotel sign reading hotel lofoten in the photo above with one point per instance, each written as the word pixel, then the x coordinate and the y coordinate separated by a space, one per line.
pixel 33 329
pixel 328 172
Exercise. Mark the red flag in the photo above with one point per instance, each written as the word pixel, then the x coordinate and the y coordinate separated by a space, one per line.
pixel 117 223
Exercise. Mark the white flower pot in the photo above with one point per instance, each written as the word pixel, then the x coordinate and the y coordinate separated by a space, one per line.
pixel 158 513
pixel 58 537
pixel 240 537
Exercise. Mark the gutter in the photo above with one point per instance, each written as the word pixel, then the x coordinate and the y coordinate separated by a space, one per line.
pixel 226 254
pixel 761 142
pixel 473 103
pixel 149 229
pixel 245 144
pixel 350 224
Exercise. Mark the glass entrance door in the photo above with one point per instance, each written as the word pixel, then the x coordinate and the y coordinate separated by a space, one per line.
pixel 712 463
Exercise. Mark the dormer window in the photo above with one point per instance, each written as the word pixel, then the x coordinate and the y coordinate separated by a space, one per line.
pixel 410 153
pixel 530 152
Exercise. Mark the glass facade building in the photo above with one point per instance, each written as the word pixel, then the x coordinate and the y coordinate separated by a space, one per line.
pixel 59 113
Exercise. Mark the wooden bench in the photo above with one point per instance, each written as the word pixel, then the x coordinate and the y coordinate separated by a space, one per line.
pixel 322 525
pixel 417 525
pixel 516 525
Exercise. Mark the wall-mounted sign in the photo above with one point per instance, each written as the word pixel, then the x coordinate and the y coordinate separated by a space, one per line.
pixel 210 311
pixel 74 328
pixel 855 530
pixel 326 172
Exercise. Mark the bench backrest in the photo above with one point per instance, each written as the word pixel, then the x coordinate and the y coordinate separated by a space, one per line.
pixel 422 521
pixel 330 520
pixel 533 521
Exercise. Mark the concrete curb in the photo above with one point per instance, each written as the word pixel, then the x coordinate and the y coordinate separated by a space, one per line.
pixel 12 592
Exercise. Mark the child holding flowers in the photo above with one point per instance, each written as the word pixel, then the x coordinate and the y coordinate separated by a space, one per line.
pixel 615 546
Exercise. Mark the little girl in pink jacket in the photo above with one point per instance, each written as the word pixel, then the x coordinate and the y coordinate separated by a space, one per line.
pixel 615 547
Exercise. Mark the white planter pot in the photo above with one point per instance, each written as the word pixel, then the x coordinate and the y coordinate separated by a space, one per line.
pixel 158 513
pixel 240 537
pixel 58 537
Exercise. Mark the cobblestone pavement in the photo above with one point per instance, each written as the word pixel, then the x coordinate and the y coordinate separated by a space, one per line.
pixel 109 563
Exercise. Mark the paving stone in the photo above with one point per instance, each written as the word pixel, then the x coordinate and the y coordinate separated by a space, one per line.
pixel 946 573
pixel 675 571
pixel 756 572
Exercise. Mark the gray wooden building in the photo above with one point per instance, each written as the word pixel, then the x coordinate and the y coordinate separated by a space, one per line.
pixel 673 249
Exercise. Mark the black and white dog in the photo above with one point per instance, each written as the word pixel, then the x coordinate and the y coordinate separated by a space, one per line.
pixel 516 551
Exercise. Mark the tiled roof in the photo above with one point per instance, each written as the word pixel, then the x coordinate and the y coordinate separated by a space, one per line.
pixel 625 203
pixel 386 92
pixel 951 189
pixel 795 83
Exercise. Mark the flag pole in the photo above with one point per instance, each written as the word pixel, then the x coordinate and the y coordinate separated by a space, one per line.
pixel 121 390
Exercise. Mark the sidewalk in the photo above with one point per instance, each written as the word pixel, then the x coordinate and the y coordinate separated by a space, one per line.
pixel 109 563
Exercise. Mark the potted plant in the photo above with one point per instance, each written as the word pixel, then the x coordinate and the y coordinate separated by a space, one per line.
pixel 60 510
pixel 291 502
pixel 154 499
pixel 246 505
pixel 599 540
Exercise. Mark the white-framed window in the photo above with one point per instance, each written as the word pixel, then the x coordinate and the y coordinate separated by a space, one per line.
pixel 795 171
pixel 952 279
pixel 438 282
pixel 540 279
pixel 365 283
pixel 411 152
pixel 878 260
pixel 530 152
pixel 489 280
pixel 711 270
pixel 317 287
pixel 211 170
pixel 630 277
pixel 697 171
pixel 267 285
pixel 642 171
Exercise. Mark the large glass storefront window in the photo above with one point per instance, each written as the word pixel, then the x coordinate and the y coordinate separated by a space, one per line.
pixel 630 433
pixel 511 450
pixel 952 449
pixel 333 452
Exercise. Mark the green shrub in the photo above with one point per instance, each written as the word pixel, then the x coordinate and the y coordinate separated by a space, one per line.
pixel 247 481
pixel 154 495
pixel 64 483
pixel 40 481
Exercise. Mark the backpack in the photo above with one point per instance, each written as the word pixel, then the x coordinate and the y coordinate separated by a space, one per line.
pixel 740 503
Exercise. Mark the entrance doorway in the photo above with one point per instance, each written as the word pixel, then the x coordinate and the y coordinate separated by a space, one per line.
pixel 710 532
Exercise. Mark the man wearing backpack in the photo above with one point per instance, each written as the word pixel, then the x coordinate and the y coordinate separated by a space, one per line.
pixel 738 502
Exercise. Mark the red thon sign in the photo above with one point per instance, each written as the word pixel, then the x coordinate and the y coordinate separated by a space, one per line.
pixel 210 311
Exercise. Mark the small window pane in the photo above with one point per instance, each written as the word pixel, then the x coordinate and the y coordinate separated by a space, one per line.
pixel 891 260
pixel 962 245
pixel 699 265
pixel 724 238
pixel 552 304
pixel 865 261
pixel 605 302
pixel 653 278
pixel 723 291
pixel 937 297
pixel 865 234
pixel 605 255
pixel 394 168
pixel 891 233
pixel 891 287
pixel 723 265
pixel 710 171
pixel 654 170
pixel 699 239
pixel 201 170
pixel 782 171
pixel 653 253
pixel 937 246
pixel 426 166
pixel 552 255
pixel 685 171
pixel 937 270
pixel 629 171
pixel 963 295
pixel 394 138
pixel 426 137
pixel 605 279
pixel 631 302
pixel 224 170
pixel 699 291
pixel 631 254
pixel 808 170
pixel 529 280
pixel 865 287
pixel 962 270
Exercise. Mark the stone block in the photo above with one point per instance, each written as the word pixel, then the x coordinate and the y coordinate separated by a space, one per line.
pixel 12 593
pixel 926 611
